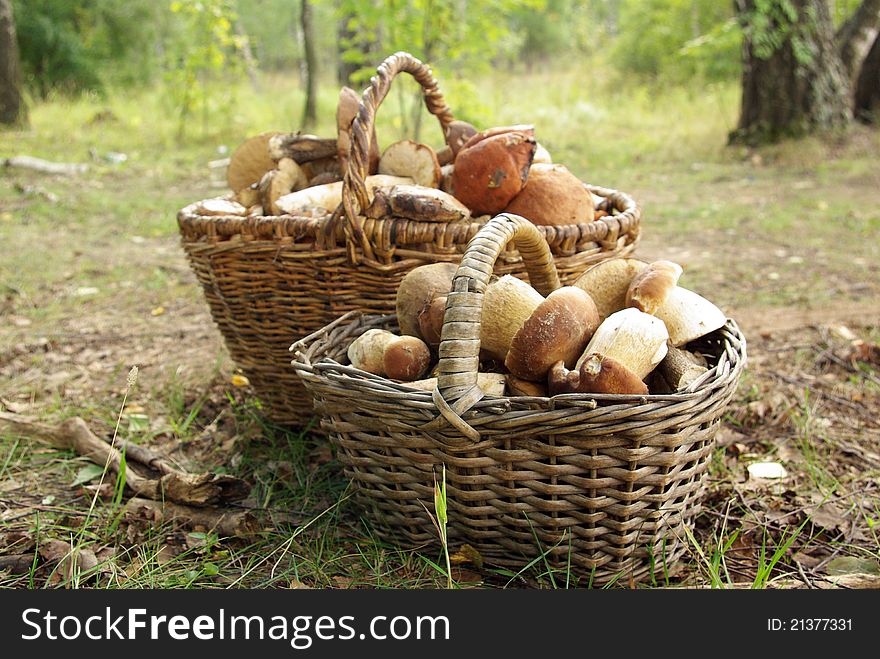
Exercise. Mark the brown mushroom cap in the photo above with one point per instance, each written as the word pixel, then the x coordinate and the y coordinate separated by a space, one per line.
pixel 649 289
pixel 596 375
pixel 553 196
pixel 418 288
pixel 250 161
pixel 406 358
pixel 489 173
pixel 476 138
pixel 519 387
pixel 558 329
pixel 431 320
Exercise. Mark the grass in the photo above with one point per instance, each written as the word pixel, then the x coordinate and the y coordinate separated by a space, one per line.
pixel 94 282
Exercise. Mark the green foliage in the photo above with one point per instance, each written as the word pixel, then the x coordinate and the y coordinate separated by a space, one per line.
pixel 66 46
pixel 772 23
pixel 677 39
pixel 203 60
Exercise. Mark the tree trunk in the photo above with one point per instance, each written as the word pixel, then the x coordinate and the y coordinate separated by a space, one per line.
pixel 345 38
pixel 798 87
pixel 310 112
pixel 867 95
pixel 12 107
pixel 247 53
pixel 855 37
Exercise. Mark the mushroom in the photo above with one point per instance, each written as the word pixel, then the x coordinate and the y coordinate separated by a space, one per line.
pixel 686 314
pixel 248 196
pixel 457 134
pixel 489 172
pixel 492 384
pixel 678 370
pixel 650 287
pixel 408 158
pixel 417 289
pixel 276 183
pixel 446 179
pixel 382 352
pixel 250 161
pixel 634 339
pixel 542 156
pixel 220 206
pixel 430 320
pixel 607 283
pixel 346 111
pixel 519 387
pixel 507 304
pixel 597 374
pixel 558 329
pixel 553 196
pixel 689 316
pixel 329 195
pixel 417 202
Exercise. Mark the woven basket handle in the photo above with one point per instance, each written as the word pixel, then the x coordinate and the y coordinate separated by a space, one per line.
pixel 355 197
pixel 457 390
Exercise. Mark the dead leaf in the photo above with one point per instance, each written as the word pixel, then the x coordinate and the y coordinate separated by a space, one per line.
pixel 466 554
pixel 296 584
pixel 343 582
pixel 852 565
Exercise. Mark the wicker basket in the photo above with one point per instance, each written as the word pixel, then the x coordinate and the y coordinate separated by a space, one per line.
pixel 605 484
pixel 270 280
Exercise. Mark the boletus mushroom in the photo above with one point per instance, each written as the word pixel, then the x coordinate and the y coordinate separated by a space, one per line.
pixel 508 303
pixel 408 158
pixel 634 339
pixel 607 283
pixel 558 329
pixel 417 290
pixel 553 196
pixel 250 161
pixel 490 171
pixel 686 314
pixel 651 286
pixel 382 352
pixel 597 374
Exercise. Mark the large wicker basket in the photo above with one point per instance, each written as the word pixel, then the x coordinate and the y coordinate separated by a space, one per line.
pixel 603 485
pixel 270 280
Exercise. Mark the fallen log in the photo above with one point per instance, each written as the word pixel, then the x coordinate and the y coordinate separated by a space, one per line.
pixel 225 522
pixel 44 166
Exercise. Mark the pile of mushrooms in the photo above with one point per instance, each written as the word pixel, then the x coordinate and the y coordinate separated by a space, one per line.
pixel 622 328
pixel 475 173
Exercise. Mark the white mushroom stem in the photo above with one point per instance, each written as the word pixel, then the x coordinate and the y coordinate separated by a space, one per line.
pixel 329 195
pixel 507 305
pixel 492 384
pixel 633 338
pixel 689 316
pixel 679 368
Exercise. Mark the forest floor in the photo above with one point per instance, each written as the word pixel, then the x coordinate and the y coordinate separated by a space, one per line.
pixel 93 281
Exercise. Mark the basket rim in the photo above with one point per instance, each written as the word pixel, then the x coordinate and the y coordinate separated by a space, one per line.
pixel 622 222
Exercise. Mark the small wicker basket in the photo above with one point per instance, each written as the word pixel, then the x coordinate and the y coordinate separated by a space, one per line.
pixel 270 280
pixel 604 485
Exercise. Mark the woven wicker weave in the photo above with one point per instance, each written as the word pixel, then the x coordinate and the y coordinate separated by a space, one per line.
pixel 603 483
pixel 270 280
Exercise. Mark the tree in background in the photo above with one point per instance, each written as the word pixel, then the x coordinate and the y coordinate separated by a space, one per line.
pixel 867 96
pixel 798 73
pixel 12 107
pixel 310 111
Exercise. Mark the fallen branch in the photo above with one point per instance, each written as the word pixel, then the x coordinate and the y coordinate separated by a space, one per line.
pixel 44 166
pixel 17 563
pixel 223 521
pixel 164 482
